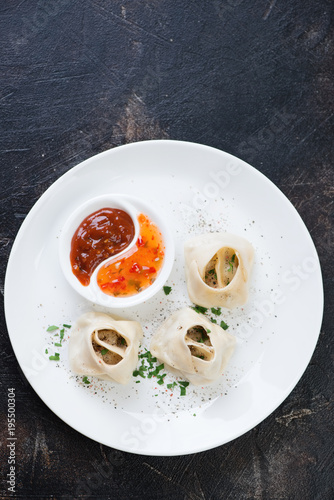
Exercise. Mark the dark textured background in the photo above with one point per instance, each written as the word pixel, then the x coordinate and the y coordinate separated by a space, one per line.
pixel 251 78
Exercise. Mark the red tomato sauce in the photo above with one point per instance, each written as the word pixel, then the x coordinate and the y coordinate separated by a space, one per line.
pixel 138 268
pixel 102 234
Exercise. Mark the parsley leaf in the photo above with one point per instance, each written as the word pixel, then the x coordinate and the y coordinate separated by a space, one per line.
pixel 217 311
pixel 200 309
pixel 52 328
pixel 55 357
pixel 223 325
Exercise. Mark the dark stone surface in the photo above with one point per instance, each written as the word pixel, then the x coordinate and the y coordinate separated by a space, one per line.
pixel 251 78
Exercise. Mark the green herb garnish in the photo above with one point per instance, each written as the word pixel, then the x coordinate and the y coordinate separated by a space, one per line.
pixel 46 351
pixel 167 289
pixel 200 309
pixel 55 357
pixel 223 325
pixel 67 326
pixel 58 345
pixel 161 378
pixel 231 262
pixel 85 380
pixel 213 320
pixel 217 311
pixel 104 351
pixel 52 328
pixel 183 386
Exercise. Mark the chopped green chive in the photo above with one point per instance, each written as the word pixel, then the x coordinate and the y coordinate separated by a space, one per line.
pixel 167 289
pixel 52 328
pixel 213 320
pixel 171 386
pixel 55 357
pixel 85 380
pixel 46 351
pixel 183 386
pixel 161 378
pixel 231 262
pixel 200 309
pixel 104 351
pixel 58 345
pixel 208 331
pixel 217 311
pixel 67 326
pixel 138 372
pixel 223 325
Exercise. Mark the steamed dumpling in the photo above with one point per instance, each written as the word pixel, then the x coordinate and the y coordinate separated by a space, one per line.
pixel 193 347
pixel 218 268
pixel 104 347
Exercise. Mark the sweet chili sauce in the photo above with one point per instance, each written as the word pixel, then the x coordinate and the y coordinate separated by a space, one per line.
pixel 102 234
pixel 136 269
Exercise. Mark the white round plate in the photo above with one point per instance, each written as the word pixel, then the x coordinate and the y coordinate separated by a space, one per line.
pixel 199 189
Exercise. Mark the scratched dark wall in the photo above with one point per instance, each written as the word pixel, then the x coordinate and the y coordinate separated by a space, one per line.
pixel 251 78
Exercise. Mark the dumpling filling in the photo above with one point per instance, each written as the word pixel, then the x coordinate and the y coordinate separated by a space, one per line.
pixel 113 338
pixel 198 334
pixel 112 347
pixel 222 268
pixel 199 343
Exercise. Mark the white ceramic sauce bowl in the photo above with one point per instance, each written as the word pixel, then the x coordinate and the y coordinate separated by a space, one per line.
pixel 133 206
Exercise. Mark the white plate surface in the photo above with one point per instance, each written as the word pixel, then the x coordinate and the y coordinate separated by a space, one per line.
pixel 200 189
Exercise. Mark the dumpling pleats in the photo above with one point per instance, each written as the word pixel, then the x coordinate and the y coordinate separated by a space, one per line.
pixel 218 267
pixel 192 347
pixel 104 347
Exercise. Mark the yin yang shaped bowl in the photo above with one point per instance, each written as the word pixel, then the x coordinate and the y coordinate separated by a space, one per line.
pixel 134 207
